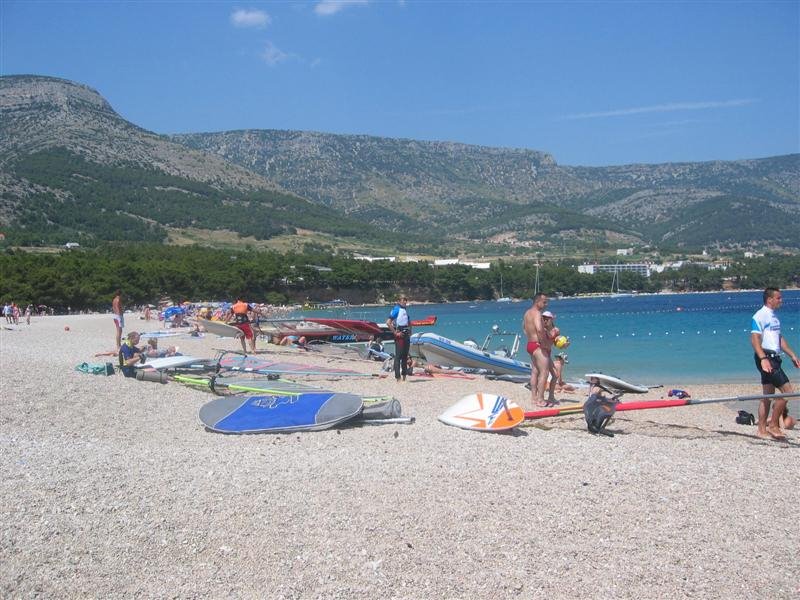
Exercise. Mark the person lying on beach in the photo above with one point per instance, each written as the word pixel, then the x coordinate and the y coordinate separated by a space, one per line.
pixel 428 368
pixel 151 350
pixel 293 340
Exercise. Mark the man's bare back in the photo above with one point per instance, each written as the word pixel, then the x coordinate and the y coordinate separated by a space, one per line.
pixel 538 347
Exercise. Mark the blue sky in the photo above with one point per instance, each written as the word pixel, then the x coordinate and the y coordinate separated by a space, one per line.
pixel 593 83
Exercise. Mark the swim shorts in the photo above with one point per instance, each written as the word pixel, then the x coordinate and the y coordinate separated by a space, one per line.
pixel 777 377
pixel 120 321
pixel 246 330
pixel 532 347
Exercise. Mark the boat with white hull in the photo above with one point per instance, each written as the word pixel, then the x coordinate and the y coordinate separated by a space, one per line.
pixel 445 352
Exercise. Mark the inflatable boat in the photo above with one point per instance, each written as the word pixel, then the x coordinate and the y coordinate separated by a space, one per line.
pixel 445 352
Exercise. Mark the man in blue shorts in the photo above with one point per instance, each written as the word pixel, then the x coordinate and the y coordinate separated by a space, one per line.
pixel 767 342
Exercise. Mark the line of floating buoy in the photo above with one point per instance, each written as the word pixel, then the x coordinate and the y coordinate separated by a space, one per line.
pixel 516 322
pixel 513 325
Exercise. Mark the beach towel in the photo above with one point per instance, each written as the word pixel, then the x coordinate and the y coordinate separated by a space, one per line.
pixel 96 368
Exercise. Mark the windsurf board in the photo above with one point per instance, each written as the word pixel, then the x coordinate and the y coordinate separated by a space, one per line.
pixel 279 414
pixel 255 364
pixel 615 384
pixel 219 328
pixel 251 385
pixel 171 362
pixel 484 412
pixel 161 334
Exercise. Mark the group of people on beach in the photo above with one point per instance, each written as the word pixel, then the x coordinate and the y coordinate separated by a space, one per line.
pixel 12 313
pixel 541 332
pixel 765 337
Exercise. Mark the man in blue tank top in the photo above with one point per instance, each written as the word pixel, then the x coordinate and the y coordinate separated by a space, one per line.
pixel 767 342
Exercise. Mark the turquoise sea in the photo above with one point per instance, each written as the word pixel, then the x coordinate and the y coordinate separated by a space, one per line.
pixel 669 339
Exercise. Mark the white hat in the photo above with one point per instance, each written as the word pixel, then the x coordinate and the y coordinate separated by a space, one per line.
pixel 547 313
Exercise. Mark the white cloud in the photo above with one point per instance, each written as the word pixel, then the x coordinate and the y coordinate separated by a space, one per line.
pixel 272 55
pixel 659 108
pixel 250 18
pixel 331 7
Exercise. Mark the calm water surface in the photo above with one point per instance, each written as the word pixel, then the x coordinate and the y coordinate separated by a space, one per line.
pixel 670 339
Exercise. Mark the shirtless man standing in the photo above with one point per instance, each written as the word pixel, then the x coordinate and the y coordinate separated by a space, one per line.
pixel 538 347
pixel 119 317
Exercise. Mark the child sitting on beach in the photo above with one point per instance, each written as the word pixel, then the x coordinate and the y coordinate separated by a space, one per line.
pixel 559 360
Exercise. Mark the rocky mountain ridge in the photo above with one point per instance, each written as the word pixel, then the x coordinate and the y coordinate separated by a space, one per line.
pixel 518 195
pixel 63 146
pixel 44 112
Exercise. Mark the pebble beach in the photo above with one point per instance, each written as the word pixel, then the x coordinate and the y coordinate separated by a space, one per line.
pixel 111 488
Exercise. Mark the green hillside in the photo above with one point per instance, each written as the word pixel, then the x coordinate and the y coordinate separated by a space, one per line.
pixel 72 169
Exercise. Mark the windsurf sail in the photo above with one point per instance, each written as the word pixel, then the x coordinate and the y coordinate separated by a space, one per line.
pixel 254 364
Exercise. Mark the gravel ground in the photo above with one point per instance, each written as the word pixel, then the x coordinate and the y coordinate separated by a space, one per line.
pixel 111 489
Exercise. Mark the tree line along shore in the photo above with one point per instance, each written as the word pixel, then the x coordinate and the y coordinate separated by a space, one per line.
pixel 86 279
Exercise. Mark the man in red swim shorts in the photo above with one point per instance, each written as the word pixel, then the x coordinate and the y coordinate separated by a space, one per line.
pixel 533 325
pixel 240 312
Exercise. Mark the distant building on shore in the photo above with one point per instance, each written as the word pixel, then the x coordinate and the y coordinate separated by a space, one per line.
pixel 640 268
pixel 647 269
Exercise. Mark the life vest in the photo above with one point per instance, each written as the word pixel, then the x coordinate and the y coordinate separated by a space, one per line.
pixel 240 312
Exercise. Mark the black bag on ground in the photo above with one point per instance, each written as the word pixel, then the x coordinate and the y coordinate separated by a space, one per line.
pixel 745 418
pixel 598 410
pixel 389 409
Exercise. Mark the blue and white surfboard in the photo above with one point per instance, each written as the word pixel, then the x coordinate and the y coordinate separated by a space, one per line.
pixel 279 414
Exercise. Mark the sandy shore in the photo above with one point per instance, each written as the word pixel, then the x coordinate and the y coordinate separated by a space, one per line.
pixel 111 488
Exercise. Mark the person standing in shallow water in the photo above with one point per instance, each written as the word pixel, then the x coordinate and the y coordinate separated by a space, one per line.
pixel 767 342
pixel 400 325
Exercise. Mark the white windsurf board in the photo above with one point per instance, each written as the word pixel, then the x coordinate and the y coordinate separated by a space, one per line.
pixel 219 328
pixel 170 362
pixel 484 412
pixel 616 384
